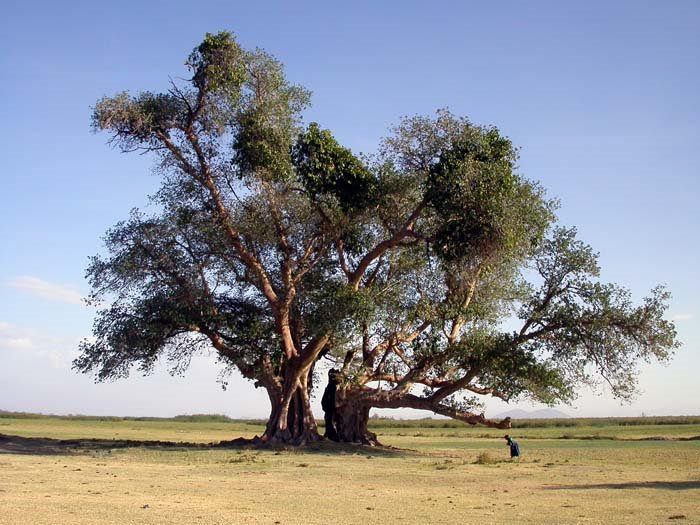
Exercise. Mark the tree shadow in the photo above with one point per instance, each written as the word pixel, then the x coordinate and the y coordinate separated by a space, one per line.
pixel 349 449
pixel 42 446
pixel 666 485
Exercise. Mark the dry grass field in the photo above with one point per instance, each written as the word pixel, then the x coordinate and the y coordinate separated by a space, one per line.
pixel 583 474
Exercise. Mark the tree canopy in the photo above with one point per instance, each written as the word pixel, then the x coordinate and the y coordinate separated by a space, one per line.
pixel 431 274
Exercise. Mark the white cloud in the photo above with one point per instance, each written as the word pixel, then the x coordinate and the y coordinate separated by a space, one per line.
pixel 46 290
pixel 682 317
pixel 37 347
pixel 17 343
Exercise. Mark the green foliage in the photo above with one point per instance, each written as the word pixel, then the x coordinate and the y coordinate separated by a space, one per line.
pixel 325 168
pixel 336 307
pixel 583 324
pixel 217 64
pixel 136 120
pixel 262 147
pixel 484 208
pixel 162 302
pixel 267 123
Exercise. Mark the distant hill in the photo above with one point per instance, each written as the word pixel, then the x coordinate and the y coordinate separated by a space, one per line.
pixel 544 413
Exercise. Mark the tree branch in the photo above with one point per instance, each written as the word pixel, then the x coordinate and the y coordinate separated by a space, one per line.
pixel 386 245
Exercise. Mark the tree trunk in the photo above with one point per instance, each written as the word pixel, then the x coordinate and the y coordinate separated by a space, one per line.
pixel 291 419
pixel 351 419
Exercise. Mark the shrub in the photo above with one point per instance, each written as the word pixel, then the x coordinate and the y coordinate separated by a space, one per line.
pixel 486 458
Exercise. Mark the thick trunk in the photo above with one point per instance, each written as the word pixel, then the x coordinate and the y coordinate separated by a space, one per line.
pixel 351 419
pixel 291 419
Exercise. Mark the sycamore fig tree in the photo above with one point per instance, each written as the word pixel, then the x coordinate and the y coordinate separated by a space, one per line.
pixel 431 274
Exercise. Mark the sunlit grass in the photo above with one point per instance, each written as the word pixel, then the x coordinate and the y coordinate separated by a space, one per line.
pixel 436 476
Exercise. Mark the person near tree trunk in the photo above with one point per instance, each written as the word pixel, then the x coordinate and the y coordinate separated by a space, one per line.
pixel 328 405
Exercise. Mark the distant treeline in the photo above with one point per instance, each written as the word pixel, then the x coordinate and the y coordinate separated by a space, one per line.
pixel 189 418
pixel 388 422
pixel 381 422
pixel 607 421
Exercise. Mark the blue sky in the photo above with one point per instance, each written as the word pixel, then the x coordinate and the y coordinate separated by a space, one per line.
pixel 603 98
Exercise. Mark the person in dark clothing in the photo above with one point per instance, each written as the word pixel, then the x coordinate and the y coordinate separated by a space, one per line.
pixel 328 405
pixel 514 447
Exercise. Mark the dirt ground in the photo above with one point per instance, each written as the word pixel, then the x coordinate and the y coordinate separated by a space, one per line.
pixel 431 479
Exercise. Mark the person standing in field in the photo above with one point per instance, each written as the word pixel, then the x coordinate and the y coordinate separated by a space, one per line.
pixel 514 447
pixel 328 405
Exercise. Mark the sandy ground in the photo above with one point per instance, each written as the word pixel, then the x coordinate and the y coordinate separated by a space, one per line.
pixel 432 479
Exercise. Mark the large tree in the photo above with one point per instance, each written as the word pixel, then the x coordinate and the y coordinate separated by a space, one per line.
pixel 431 274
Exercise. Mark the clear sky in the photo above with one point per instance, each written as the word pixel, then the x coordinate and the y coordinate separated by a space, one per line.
pixel 602 97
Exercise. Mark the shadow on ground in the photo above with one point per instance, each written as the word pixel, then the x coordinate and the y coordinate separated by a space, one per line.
pixel 47 446
pixel 668 485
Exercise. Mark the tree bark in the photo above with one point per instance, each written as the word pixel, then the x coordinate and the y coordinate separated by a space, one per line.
pixel 353 405
pixel 352 418
pixel 291 419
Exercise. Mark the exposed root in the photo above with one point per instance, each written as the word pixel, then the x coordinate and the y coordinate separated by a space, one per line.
pixel 286 438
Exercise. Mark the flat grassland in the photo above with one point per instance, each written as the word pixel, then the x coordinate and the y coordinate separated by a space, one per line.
pixel 571 471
